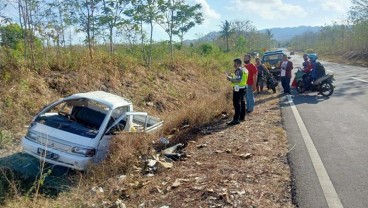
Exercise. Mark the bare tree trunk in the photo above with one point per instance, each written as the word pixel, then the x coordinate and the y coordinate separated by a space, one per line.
pixel 227 44
pixel 171 34
pixel 150 48
pixel 23 26
pixel 110 38
pixel 31 40
pixel 144 56
pixel 89 33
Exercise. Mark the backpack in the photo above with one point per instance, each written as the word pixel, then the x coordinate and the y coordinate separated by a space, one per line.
pixel 320 70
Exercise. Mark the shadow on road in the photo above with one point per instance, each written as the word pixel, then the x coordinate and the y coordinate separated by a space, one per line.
pixel 311 98
pixel 25 171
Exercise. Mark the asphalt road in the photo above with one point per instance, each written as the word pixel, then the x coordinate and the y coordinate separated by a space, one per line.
pixel 338 127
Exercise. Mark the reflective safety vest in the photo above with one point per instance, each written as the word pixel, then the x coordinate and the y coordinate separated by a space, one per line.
pixel 244 78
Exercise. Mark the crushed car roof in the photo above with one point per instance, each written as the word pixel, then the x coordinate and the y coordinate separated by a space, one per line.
pixel 106 98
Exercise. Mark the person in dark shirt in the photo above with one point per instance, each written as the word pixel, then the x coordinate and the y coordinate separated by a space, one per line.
pixel 262 73
pixel 286 66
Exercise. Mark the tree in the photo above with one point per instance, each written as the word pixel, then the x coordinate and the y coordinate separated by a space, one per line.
pixel 359 11
pixel 112 11
pixel 28 11
pixel 145 11
pixel 168 10
pixel 269 37
pixel 187 17
pixel 84 14
pixel 226 32
pixel 177 18
pixel 243 27
pixel 3 18
pixel 359 15
pixel 57 19
pixel 244 34
pixel 241 44
pixel 11 35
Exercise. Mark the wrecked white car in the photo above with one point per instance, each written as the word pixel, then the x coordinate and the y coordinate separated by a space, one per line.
pixel 76 131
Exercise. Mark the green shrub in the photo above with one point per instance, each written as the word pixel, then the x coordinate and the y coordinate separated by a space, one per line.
pixel 207 49
pixel 309 50
pixel 5 138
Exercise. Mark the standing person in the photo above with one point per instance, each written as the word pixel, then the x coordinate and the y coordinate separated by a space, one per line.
pixel 262 72
pixel 286 67
pixel 251 82
pixel 238 81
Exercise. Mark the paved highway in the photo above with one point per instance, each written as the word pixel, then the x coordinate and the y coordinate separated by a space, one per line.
pixel 338 129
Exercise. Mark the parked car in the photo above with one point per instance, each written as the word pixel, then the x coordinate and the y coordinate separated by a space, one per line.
pixel 272 60
pixel 76 131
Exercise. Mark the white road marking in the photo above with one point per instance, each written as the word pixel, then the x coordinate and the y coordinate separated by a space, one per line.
pixel 362 80
pixel 328 189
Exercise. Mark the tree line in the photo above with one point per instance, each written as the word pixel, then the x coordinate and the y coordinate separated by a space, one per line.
pixel 55 23
pixel 52 20
pixel 339 38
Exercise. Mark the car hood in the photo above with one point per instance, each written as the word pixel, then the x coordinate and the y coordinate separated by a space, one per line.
pixel 57 139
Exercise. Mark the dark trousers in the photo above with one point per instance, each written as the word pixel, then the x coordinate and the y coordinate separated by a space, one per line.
pixel 239 104
pixel 307 81
pixel 285 82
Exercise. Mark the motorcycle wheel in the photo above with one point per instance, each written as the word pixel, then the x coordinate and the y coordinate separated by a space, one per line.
pixel 326 89
pixel 274 90
pixel 299 87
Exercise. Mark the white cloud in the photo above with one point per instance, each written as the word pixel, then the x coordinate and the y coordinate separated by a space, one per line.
pixel 208 12
pixel 340 6
pixel 268 9
pixel 210 16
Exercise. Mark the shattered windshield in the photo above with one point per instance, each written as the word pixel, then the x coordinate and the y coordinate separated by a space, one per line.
pixel 272 60
pixel 272 57
pixel 79 116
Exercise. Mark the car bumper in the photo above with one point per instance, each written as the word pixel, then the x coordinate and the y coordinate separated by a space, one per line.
pixel 57 157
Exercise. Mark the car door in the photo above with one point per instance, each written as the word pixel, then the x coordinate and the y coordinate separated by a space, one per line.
pixel 112 128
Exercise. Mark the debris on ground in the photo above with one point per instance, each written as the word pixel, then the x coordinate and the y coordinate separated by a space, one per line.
pixel 201 146
pixel 175 152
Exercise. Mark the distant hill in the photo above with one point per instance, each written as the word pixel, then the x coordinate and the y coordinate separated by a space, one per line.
pixel 287 33
pixel 279 34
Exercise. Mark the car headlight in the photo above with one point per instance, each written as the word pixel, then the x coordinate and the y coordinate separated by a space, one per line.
pixel 31 135
pixel 88 152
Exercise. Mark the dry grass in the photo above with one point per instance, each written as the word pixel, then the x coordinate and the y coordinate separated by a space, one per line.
pixel 217 175
pixel 192 99
pixel 351 58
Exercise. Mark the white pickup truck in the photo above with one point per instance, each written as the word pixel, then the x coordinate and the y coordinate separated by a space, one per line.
pixel 76 131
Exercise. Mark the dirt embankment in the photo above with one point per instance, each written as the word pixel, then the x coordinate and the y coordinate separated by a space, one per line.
pixel 239 166
pixel 227 166
pixel 349 57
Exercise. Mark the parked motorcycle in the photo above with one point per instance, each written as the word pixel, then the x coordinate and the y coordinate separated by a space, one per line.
pixel 323 85
pixel 275 73
pixel 271 82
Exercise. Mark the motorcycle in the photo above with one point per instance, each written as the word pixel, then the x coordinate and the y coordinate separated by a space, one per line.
pixel 275 73
pixel 271 82
pixel 323 85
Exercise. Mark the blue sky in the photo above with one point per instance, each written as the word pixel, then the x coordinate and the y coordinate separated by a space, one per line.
pixel 263 14
pixel 269 13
